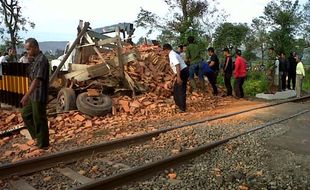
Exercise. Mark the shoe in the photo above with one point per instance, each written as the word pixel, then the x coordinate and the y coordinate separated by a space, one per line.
pixel 193 85
pixel 44 147
pixel 180 111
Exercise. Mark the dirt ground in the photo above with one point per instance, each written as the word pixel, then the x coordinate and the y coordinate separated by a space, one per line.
pixel 73 130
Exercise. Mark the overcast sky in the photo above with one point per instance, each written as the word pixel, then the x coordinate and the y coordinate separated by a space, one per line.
pixel 56 20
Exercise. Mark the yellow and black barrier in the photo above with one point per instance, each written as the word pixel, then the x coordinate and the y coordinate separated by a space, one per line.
pixel 13 83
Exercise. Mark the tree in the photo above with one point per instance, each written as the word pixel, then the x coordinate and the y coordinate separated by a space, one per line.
pixel 285 20
pixel 185 17
pixel 306 11
pixel 230 35
pixel 13 22
pixel 260 37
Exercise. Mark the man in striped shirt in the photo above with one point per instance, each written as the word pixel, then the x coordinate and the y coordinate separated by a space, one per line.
pixel 35 100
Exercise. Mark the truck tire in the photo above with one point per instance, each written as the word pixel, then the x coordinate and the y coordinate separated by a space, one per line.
pixel 66 100
pixel 94 106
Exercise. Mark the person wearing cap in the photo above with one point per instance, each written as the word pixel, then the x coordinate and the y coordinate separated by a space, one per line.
pixel 180 70
pixel 239 74
pixel 228 70
pixel 300 74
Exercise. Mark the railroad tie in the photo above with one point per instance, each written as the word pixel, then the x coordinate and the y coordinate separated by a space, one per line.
pixel 74 175
pixel 20 184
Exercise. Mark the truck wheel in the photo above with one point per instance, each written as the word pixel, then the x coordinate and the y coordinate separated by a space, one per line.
pixel 66 100
pixel 94 106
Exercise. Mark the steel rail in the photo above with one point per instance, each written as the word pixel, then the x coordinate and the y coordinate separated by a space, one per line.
pixel 64 157
pixel 129 176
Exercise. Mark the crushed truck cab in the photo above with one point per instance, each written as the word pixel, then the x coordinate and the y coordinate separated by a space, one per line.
pixel 88 86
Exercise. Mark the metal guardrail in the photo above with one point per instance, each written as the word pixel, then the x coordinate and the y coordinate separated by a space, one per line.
pixel 13 83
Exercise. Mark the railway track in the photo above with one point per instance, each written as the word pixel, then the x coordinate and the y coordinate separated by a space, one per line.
pixel 60 160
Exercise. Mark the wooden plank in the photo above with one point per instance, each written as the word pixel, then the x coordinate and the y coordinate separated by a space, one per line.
pixel 74 175
pixel 107 41
pixel 119 54
pixel 98 70
pixel 77 67
pixel 80 75
pixel 89 72
pixel 20 184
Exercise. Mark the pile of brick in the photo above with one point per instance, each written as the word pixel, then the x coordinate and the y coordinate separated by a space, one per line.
pixel 9 118
pixel 150 71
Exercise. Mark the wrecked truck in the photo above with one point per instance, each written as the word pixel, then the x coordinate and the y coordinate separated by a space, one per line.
pixel 87 87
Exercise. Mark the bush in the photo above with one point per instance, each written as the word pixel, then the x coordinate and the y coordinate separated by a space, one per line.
pixel 255 83
pixel 306 81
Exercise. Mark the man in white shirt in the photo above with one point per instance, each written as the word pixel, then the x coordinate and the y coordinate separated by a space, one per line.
pixel 181 72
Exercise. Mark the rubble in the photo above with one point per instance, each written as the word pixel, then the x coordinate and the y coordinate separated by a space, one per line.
pixel 150 70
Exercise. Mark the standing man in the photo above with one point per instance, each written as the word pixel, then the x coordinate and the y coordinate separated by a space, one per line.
pixel 292 63
pixel 35 100
pixel 300 74
pixel 228 70
pixel 194 57
pixel 214 62
pixel 276 72
pixel 180 70
pixel 282 72
pixel 239 74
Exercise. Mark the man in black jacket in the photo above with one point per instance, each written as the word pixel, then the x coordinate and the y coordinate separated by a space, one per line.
pixel 283 63
pixel 228 70
pixel 291 70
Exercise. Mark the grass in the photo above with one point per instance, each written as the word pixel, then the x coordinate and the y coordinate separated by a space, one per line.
pixel 306 81
pixel 255 83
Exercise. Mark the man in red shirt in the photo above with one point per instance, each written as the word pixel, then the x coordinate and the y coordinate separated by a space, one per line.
pixel 239 74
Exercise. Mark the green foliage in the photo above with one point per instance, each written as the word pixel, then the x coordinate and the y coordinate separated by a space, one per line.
pixel 186 17
pixel 255 83
pixel 230 35
pixel 284 18
pixel 306 80
pixel 306 10
pixel 13 22
pixel 258 39
pixel 147 19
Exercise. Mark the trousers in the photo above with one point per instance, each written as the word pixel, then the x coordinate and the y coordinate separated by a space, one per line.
pixel 299 79
pixel 239 87
pixel 35 120
pixel 291 79
pixel 179 90
pixel 227 81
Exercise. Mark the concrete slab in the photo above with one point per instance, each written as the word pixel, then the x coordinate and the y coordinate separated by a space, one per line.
pixel 277 96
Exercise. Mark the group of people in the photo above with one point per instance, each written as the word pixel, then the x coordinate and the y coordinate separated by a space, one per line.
pixel 189 62
pixel 285 73
pixel 35 100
